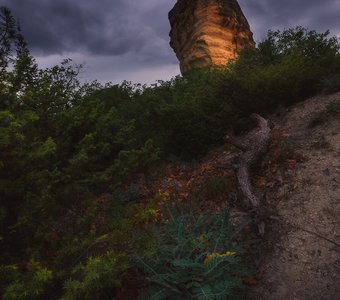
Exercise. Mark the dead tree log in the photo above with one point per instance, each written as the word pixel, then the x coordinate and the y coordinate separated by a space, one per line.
pixel 252 150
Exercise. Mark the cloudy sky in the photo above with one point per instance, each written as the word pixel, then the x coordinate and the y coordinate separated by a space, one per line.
pixel 128 39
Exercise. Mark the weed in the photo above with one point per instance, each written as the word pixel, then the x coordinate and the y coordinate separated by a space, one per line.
pixel 331 84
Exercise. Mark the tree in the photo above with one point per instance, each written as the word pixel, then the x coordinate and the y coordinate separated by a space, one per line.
pixel 8 34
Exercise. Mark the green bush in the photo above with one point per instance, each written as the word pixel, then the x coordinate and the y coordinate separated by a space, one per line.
pixel 28 286
pixel 100 273
pixel 191 114
pixel 331 84
pixel 195 256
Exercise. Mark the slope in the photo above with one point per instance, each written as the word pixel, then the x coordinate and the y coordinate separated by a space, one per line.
pixel 299 258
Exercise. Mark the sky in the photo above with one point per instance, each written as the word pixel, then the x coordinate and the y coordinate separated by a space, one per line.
pixel 120 40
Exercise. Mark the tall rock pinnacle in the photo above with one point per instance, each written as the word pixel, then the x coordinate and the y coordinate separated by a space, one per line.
pixel 208 32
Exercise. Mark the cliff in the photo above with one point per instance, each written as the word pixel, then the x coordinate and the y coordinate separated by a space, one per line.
pixel 208 32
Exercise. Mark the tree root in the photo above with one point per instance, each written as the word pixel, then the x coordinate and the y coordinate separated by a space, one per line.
pixel 252 150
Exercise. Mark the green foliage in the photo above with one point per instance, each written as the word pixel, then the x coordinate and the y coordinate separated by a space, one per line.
pixel 69 152
pixel 194 257
pixel 28 286
pixel 8 32
pixel 92 279
pixel 331 84
pixel 187 116
pixel 130 161
pixel 64 149
pixel 287 66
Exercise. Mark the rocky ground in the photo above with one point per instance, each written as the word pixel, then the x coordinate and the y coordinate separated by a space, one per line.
pixel 299 257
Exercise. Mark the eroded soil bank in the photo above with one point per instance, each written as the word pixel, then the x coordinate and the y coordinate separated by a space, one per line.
pixel 299 257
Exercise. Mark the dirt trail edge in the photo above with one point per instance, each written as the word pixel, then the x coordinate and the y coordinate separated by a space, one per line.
pixel 300 255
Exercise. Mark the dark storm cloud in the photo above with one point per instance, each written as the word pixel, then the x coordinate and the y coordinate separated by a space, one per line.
pixel 96 27
pixel 131 36
pixel 115 27
pixel 320 15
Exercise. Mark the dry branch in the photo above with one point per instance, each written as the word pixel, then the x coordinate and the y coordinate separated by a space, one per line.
pixel 252 150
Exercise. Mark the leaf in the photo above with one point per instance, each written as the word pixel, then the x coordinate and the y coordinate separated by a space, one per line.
pixel 154 293
pixel 185 263
pixel 102 238
pixel 203 293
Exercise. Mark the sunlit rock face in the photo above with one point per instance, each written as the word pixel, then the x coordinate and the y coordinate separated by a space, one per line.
pixel 208 32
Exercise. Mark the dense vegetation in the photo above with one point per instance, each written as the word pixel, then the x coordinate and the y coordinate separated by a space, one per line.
pixel 71 214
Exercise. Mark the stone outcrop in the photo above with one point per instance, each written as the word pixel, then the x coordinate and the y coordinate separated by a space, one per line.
pixel 208 32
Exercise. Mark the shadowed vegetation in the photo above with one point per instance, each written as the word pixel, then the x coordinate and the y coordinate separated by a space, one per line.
pixel 71 207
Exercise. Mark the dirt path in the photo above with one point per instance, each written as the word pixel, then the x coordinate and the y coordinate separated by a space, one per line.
pixel 300 257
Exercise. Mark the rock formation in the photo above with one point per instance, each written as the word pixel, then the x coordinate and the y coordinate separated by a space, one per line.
pixel 208 32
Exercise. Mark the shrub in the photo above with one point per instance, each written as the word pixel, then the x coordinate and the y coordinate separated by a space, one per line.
pixel 90 281
pixel 195 256
pixel 66 146
pixel 29 286
pixel 191 114
pixel 331 84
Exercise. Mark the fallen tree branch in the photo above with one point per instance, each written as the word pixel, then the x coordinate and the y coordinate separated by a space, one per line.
pixel 252 150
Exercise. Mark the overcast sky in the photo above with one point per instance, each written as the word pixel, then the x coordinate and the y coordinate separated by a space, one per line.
pixel 128 39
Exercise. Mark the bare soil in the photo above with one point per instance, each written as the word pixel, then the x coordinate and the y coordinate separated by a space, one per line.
pixel 299 257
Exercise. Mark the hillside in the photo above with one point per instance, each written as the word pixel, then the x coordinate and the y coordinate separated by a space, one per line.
pixel 299 257
pixel 124 191
pixel 298 181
